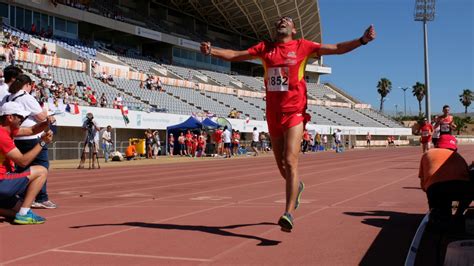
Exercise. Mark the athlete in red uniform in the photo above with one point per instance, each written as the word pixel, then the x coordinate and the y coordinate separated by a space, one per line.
pixel 426 132
pixel 445 122
pixel 284 62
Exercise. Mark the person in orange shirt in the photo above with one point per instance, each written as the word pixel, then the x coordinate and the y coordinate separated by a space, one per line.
pixel 444 176
pixel 131 151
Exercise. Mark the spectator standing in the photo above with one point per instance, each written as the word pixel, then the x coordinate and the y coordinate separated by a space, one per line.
pixel 171 144
pixel 107 142
pixel 255 140
pixel 227 136
pixel 182 144
pixel 156 144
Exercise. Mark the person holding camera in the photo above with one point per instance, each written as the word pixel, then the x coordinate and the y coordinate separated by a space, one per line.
pixel 91 141
pixel 107 142
pixel 20 90
pixel 30 181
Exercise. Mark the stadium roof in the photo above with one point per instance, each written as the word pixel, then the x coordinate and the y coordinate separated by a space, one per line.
pixel 254 18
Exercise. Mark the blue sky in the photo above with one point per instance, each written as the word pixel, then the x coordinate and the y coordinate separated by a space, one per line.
pixel 397 53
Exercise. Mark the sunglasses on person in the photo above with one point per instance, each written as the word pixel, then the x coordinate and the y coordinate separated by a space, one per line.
pixel 21 118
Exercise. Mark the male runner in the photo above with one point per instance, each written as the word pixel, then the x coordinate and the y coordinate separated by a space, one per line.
pixel 284 62
pixel 445 122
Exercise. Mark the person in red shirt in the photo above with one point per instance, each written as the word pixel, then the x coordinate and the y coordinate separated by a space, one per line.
pixel 189 143
pixel 426 132
pixel 445 122
pixel 284 62
pixel 31 181
pixel 235 142
pixel 201 145
pixel 92 99
pixel 306 140
pixel 218 141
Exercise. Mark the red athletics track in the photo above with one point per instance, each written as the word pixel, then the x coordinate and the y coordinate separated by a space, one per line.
pixel 359 207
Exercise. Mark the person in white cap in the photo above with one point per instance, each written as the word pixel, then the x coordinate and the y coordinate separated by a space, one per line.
pixel 30 181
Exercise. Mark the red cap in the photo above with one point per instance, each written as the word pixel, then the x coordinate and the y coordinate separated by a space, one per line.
pixel 447 141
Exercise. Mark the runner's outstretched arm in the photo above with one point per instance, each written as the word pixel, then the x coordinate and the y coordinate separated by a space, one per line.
pixel 225 54
pixel 345 47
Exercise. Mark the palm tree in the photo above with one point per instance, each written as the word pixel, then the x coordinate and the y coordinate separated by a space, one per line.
pixel 466 98
pixel 419 91
pixel 383 88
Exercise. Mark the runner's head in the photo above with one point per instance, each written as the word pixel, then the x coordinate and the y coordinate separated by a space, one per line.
pixel 285 27
pixel 446 110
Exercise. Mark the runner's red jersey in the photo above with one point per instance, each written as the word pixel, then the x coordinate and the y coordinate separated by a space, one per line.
pixel 426 132
pixel 284 65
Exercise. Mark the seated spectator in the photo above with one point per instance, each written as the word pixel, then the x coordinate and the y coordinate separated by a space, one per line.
pixel 233 113
pixel 12 114
pixel 37 50
pixel 131 151
pixel 104 77
pixel 92 99
pixel 444 176
pixel 42 72
pixel 118 102
pixel 159 84
pixel 33 29
pixel 110 80
pixel 103 100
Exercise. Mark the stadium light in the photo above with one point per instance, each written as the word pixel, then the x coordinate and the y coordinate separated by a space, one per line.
pixel 425 11
pixel 404 99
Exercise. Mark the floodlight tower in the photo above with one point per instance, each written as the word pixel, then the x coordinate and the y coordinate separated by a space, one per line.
pixel 425 11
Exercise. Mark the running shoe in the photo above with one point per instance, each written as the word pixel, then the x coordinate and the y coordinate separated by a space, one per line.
pixel 44 205
pixel 300 192
pixel 286 222
pixel 29 218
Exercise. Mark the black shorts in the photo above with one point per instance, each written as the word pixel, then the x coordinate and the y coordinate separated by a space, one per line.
pixel 254 144
pixel 226 145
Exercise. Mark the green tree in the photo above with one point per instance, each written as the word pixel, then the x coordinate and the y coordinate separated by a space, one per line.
pixel 461 123
pixel 419 91
pixel 466 98
pixel 383 88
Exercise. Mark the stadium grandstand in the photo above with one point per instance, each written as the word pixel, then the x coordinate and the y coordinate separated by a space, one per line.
pixel 144 55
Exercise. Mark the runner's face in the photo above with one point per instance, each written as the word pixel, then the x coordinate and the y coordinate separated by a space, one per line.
pixel 446 110
pixel 284 26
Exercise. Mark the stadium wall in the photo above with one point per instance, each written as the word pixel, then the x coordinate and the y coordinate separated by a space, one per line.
pixel 144 120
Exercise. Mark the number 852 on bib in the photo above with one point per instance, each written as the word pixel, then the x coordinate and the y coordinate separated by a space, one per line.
pixel 278 79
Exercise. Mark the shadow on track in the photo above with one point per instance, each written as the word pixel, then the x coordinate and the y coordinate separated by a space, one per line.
pixel 217 230
pixel 391 245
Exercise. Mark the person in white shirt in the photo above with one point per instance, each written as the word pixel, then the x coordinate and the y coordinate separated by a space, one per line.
pixel 338 140
pixel 255 140
pixel 227 135
pixel 10 73
pixel 107 142
pixel 20 93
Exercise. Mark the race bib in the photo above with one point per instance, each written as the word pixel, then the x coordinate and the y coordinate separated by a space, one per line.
pixel 425 133
pixel 278 79
pixel 445 128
